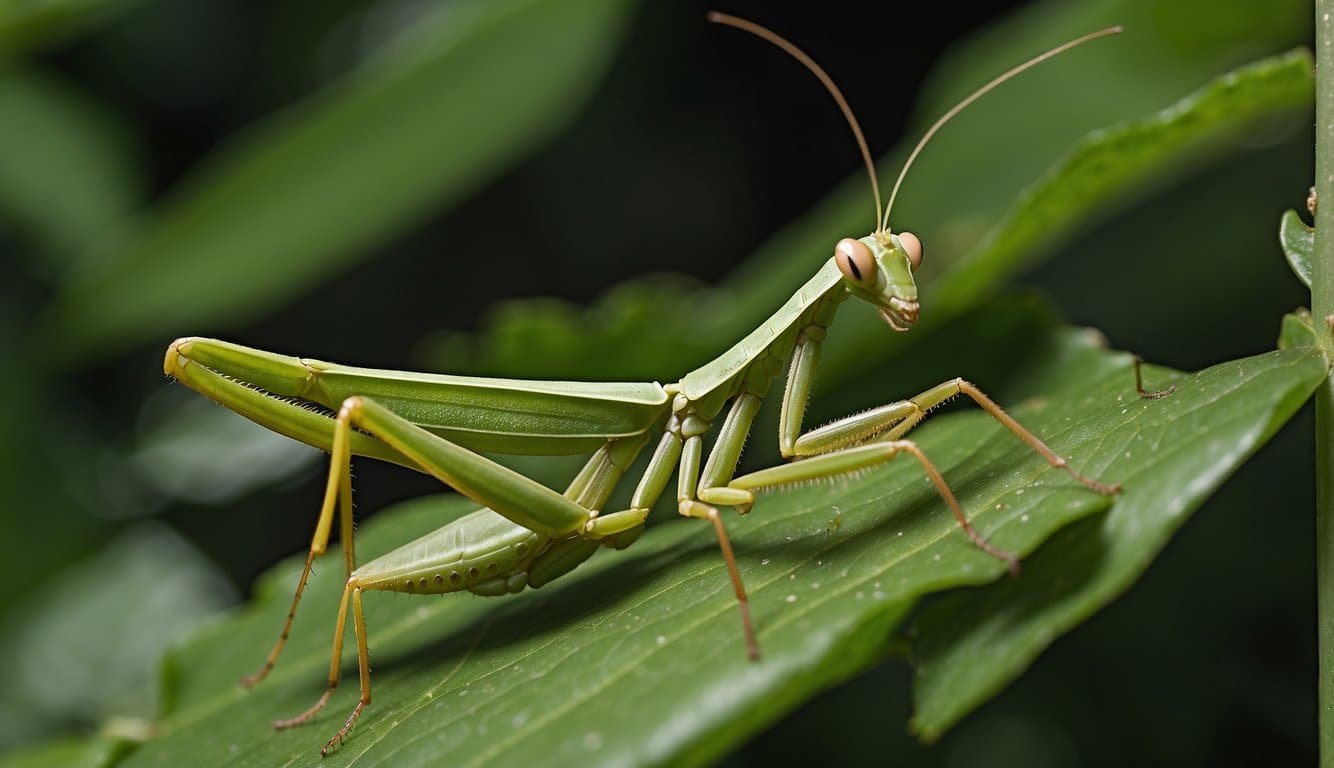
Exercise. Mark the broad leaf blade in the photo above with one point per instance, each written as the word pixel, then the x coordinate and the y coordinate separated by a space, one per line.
pixel 970 644
pixel 302 195
pixel 636 658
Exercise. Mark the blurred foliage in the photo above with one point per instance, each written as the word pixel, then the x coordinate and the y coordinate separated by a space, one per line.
pixel 158 158
pixel 319 183
pixel 74 152
pixel 26 24
pixel 121 595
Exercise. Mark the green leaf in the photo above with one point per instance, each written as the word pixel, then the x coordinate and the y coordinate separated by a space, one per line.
pixel 1297 330
pixel 26 24
pixel 208 455
pixel 637 659
pixel 1177 451
pixel 1298 242
pixel 973 244
pixel 93 752
pixel 417 128
pixel 144 590
pixel 56 145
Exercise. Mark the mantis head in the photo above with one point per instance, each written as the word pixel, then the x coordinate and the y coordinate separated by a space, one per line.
pixel 879 269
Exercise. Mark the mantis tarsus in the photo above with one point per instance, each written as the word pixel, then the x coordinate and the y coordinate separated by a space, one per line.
pixel 528 534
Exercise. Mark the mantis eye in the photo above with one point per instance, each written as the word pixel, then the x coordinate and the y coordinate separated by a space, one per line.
pixel 855 261
pixel 913 247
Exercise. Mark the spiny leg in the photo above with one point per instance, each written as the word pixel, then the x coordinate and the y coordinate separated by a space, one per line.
pixel 894 420
pixel 338 489
pixel 334 665
pixel 886 425
pixel 363 669
pixel 941 393
pixel 860 457
pixel 891 421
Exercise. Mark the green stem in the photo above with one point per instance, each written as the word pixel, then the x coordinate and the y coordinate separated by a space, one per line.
pixel 1322 306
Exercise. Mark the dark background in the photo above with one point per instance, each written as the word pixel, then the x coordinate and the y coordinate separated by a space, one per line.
pixel 698 145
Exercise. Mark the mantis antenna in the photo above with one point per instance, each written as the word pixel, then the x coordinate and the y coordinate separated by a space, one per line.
pixel 799 55
pixel 974 96
pixel 882 223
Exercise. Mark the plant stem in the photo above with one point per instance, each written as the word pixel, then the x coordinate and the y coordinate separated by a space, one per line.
pixel 1322 306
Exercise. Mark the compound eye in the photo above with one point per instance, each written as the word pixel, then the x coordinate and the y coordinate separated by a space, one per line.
pixel 855 261
pixel 913 247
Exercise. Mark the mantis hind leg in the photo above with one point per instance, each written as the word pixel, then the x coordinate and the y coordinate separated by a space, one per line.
pixel 351 594
pixel 521 499
pixel 338 491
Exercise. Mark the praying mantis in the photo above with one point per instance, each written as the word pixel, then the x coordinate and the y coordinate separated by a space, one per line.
pixel 526 534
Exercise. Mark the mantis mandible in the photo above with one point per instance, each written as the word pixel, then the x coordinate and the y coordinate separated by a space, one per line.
pixel 528 534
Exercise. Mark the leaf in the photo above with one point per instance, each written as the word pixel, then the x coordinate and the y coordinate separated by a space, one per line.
pixel 52 673
pixel 29 24
pixel 204 454
pixel 1298 242
pixel 1297 330
pixel 93 752
pixel 59 146
pixel 299 197
pixel 970 644
pixel 636 658
pixel 973 244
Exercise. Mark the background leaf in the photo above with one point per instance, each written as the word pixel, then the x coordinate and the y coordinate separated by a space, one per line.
pixel 421 125
pixel 27 24
pixel 55 671
pixel 59 145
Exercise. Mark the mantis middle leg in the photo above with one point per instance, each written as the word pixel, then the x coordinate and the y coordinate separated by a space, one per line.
pixel 846 445
pixel 876 436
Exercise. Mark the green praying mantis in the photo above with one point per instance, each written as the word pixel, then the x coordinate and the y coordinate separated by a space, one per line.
pixel 528 534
